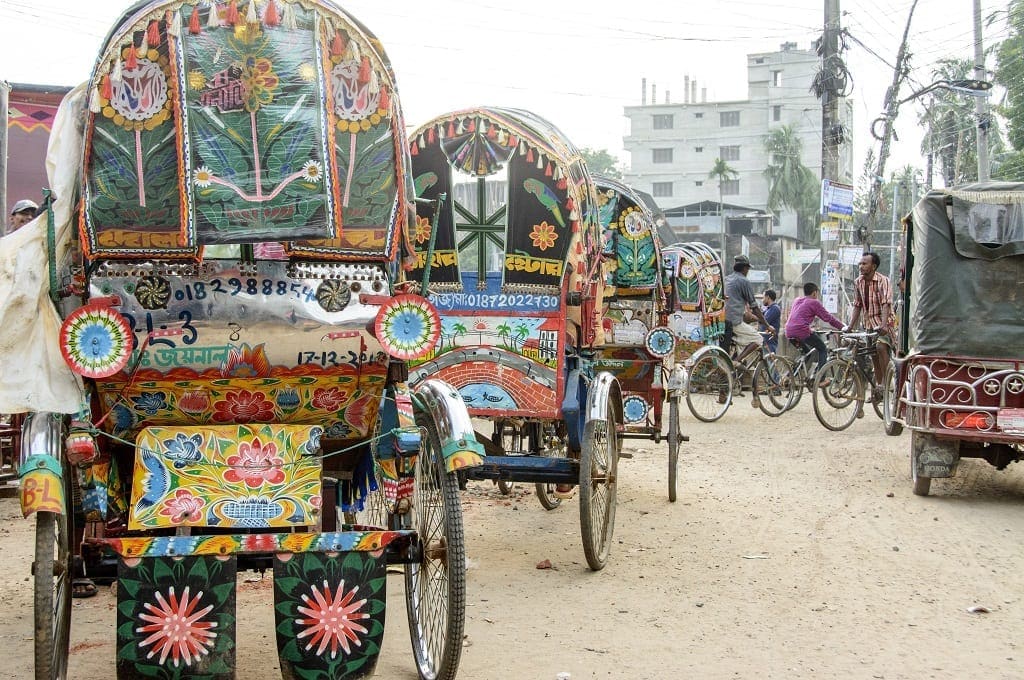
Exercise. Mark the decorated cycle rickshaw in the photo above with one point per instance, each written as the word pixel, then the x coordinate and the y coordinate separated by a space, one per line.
pixel 516 276
pixel 243 205
pixel 639 346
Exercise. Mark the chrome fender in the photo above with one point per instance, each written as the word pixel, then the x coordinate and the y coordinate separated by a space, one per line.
pixel 604 390
pixel 39 466
pixel 448 411
pixel 709 349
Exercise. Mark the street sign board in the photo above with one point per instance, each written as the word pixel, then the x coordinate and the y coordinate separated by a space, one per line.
pixel 802 255
pixel 836 199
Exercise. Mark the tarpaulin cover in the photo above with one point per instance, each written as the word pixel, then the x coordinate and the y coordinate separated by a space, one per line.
pixel 967 279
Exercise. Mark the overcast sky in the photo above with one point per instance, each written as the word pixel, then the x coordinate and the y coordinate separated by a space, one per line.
pixel 576 62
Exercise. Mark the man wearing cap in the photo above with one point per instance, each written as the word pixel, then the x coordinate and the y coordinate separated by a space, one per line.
pixel 739 298
pixel 23 212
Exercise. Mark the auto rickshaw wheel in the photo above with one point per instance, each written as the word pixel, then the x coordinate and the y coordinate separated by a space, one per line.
pixel 673 446
pixel 435 586
pixel 922 485
pixel 598 470
pixel 52 590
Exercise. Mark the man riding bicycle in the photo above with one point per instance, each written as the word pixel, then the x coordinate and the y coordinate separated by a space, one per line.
pixel 798 327
pixel 739 298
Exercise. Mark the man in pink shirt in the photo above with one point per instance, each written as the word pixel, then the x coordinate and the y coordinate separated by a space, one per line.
pixel 805 310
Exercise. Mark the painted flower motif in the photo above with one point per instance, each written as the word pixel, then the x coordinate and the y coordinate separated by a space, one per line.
pixel 331 620
pixel 243 407
pixel 124 418
pixel 194 402
pixel 174 545
pixel 543 235
pixel 259 543
pixel 329 398
pixel 183 507
pixel 260 81
pixel 217 545
pixel 184 449
pixel 339 431
pixel 287 399
pixel 246 362
pixel 422 234
pixel 307 72
pixel 150 402
pixel 196 80
pixel 255 464
pixel 360 411
pixel 203 176
pixel 312 171
pixel 176 629
pixel 313 443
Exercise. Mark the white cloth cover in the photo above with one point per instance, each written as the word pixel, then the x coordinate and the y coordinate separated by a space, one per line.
pixel 33 375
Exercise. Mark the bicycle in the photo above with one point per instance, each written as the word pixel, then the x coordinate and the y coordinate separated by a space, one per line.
pixel 844 380
pixel 805 368
pixel 712 377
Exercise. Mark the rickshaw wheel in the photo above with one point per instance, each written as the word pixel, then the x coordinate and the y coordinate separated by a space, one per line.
pixel 546 492
pixel 435 587
pixel 52 596
pixel 709 387
pixel 838 401
pixel 673 446
pixel 922 485
pixel 890 395
pixel 773 384
pixel 598 470
pixel 509 438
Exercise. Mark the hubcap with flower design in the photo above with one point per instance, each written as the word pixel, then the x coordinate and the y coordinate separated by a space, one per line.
pixel 407 327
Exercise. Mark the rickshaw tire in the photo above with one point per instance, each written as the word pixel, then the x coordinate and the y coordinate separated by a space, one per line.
pixel 52 595
pixel 890 392
pixel 717 366
pixel 437 657
pixel 763 385
pixel 597 531
pixel 673 446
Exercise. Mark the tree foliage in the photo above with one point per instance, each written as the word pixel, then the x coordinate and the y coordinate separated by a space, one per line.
pixel 790 184
pixel 600 162
pixel 1010 74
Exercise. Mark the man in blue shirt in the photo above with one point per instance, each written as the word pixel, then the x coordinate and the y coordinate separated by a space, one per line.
pixel 773 315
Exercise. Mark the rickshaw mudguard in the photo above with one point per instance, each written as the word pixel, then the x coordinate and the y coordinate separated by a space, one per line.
pixel 933 457
pixel 40 472
pixel 604 392
pixel 447 410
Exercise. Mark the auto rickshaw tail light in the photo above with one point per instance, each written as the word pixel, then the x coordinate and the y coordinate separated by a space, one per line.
pixel 967 421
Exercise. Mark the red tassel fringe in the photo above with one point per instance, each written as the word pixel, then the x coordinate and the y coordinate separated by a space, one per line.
pixel 233 13
pixel 153 35
pixel 270 17
pixel 415 149
pixel 106 88
pixel 385 100
pixel 547 170
pixel 338 44
pixel 364 71
pixel 451 129
pixel 529 155
pixel 431 137
pixel 193 21
pixel 132 61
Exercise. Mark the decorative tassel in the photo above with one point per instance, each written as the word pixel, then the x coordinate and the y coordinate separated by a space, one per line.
pixel 94 102
pixel 502 138
pixel 492 132
pixel 364 71
pixel 193 21
pixel 374 83
pixel 540 161
pixel 451 129
pixel 415 149
pixel 513 141
pixel 251 18
pixel 288 17
pixel 529 155
pixel 270 17
pixel 421 141
pixel 431 137
pixel 354 53
pixel 213 20
pixel 338 44
pixel 106 88
pixel 143 48
pixel 173 20
pixel 132 60
pixel 233 13
pixel 547 170
pixel 117 73
pixel 562 184
pixel 153 34
pixel 472 126
pixel 385 100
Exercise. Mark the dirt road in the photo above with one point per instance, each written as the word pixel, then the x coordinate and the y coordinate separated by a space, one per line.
pixel 793 552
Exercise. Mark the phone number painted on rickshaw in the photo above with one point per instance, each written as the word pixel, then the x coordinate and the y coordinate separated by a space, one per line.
pixel 237 286
pixel 517 301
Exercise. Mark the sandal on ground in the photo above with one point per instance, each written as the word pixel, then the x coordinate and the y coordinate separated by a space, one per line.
pixel 83 587
pixel 564 491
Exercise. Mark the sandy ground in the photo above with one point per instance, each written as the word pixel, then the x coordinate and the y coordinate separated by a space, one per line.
pixel 793 552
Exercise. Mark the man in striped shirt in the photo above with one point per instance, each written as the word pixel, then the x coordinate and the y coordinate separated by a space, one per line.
pixel 873 300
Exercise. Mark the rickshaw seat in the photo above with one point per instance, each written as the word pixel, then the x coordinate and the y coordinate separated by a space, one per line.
pixel 227 476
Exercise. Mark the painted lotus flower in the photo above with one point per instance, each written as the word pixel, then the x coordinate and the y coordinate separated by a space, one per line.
pixel 422 229
pixel 242 407
pixel 360 411
pixel 176 629
pixel 150 402
pixel 183 507
pixel 260 81
pixel 246 362
pixel 260 543
pixel 331 619
pixel 329 398
pixel 255 464
pixel 184 449
pixel 124 418
pixel 287 398
pixel 194 402
pixel 543 236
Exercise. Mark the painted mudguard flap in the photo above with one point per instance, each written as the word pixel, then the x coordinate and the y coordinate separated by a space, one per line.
pixel 42 484
pixel 933 457
pixel 458 440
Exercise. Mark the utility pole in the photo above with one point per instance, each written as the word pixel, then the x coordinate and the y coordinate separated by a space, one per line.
pixel 980 103
pixel 830 136
pixel 892 104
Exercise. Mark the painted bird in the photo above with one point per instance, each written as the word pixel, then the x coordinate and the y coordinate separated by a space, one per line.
pixel 155 481
pixel 546 196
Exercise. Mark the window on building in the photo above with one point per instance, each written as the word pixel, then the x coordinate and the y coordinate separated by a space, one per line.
pixel 661 155
pixel 698 149
pixel 729 118
pixel 730 187
pixel 699 183
pixel 698 115
pixel 663 121
pixel 661 189
pixel 729 153
pixel 776 78
pixel 758 60
pixel 777 113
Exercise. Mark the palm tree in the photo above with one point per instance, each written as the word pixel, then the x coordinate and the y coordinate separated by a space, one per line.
pixel 458 328
pixel 522 331
pixel 504 330
pixel 790 184
pixel 722 171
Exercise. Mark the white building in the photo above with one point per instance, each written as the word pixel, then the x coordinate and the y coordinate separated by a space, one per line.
pixel 673 147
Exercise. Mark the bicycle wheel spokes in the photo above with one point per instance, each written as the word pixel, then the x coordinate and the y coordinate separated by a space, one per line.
pixel 709 387
pixel 839 395
pixel 773 385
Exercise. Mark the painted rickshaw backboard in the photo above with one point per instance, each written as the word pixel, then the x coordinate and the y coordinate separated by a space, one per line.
pixel 629 239
pixel 237 123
